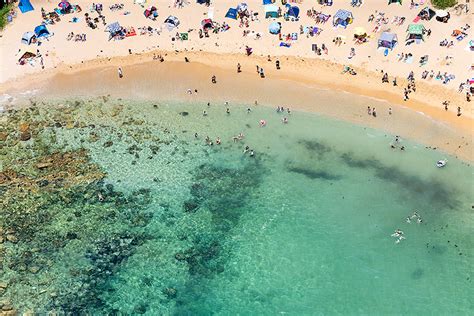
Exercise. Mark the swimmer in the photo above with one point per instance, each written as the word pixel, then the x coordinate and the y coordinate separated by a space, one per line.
pixel 100 196
pixel 227 111
pixel 208 104
pixel 195 135
pixel 408 220
pixel 285 120
pixel 204 113
pixel 262 123
pixel 248 110
pixel 189 91
pixel 218 141
pixel 288 110
pixel 419 220
pixel 247 148
pixel 241 136
pixel 415 214
pixel 252 153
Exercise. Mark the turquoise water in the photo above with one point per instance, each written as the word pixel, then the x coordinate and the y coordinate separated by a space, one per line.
pixel 184 228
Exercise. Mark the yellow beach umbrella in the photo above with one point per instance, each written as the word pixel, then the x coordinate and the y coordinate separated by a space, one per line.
pixel 359 31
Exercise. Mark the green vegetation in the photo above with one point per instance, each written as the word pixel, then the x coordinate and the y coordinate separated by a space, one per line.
pixel 443 4
pixel 3 15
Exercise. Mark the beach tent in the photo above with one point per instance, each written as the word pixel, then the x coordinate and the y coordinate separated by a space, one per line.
pixel 28 37
pixel 387 40
pixel 171 22
pixel 274 28
pixel 442 16
pixel 265 2
pixel 207 24
pixel 271 11
pixel 415 33
pixel 41 31
pixel 426 14
pixel 25 6
pixel 114 29
pixel 394 1
pixel 293 11
pixel 140 2
pixel 231 14
pixel 25 57
pixel 342 18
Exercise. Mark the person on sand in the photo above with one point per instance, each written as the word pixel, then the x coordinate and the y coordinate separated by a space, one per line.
pixel 120 73
pixel 374 113
pixel 459 111
pixel 213 79
pixel 262 74
pixel 369 110
pixel 389 111
pixel 395 82
pixel 277 64
pixel 446 103
pixel 238 68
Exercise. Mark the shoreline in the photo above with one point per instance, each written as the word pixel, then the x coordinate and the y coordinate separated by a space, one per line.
pixel 145 78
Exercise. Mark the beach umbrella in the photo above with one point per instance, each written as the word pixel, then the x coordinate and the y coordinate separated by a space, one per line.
pixel 442 13
pixel 359 31
pixel 63 4
pixel 274 28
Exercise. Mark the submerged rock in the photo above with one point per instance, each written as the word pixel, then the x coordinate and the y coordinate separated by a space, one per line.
pixel 24 136
pixel 170 292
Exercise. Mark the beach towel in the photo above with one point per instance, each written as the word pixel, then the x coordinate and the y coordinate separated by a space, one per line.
pixel 58 11
pixel 283 44
pixel 415 20
pixel 210 13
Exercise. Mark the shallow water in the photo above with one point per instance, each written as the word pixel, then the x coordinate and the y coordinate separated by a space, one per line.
pixel 179 227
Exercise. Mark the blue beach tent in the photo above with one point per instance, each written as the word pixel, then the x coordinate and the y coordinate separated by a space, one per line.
pixel 41 31
pixel 232 14
pixel 25 6
pixel 342 18
pixel 293 11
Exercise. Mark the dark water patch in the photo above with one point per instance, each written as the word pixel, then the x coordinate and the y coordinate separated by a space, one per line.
pixel 313 174
pixel 436 192
pixel 315 147
pixel 417 274
pixel 184 113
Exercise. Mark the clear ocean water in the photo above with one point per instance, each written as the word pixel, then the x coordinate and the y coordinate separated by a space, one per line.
pixel 180 227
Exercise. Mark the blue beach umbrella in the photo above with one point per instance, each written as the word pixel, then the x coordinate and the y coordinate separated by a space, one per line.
pixel 274 28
